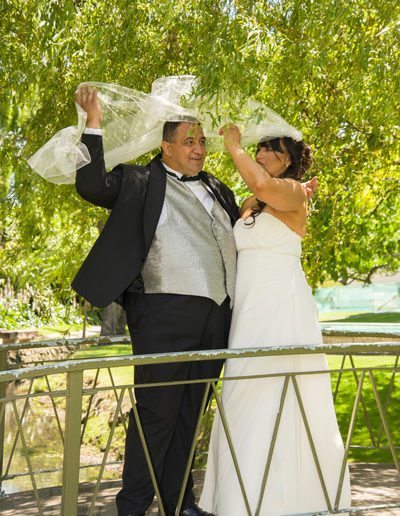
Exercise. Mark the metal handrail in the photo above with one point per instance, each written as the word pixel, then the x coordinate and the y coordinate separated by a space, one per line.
pixel 392 348
pixel 75 391
pixel 55 343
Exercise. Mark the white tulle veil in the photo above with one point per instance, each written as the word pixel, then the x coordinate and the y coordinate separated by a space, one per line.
pixel 133 121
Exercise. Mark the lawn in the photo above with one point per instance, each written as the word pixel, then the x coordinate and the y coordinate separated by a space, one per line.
pixel 121 375
pixel 360 317
pixel 364 436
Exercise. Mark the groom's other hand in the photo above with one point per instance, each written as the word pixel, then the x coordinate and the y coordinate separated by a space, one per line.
pixel 87 98
pixel 311 187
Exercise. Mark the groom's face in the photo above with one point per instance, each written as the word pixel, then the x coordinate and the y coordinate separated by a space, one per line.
pixel 187 150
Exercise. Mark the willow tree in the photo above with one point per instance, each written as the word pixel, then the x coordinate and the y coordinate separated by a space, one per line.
pixel 330 67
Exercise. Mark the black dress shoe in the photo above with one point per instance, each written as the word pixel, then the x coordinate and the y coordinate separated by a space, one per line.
pixel 195 511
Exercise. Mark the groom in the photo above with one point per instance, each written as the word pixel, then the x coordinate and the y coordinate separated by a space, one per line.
pixel 168 250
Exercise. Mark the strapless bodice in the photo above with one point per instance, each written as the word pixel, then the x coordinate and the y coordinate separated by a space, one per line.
pixel 267 234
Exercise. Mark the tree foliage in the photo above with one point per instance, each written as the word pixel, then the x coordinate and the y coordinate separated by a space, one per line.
pixel 330 67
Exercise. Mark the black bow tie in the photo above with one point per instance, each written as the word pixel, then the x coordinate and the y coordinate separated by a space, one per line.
pixel 185 178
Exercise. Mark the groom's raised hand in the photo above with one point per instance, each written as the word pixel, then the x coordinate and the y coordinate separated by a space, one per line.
pixel 87 98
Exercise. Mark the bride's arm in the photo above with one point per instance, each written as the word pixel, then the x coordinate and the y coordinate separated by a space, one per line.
pixel 281 194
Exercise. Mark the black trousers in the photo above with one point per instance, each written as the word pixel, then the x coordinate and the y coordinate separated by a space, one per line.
pixel 160 323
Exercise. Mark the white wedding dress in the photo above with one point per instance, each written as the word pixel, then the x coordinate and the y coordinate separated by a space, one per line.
pixel 273 307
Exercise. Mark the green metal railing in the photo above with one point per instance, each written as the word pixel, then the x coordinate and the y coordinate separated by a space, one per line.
pixel 69 403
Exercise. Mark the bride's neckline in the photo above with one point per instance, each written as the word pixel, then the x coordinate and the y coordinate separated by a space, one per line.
pixel 279 220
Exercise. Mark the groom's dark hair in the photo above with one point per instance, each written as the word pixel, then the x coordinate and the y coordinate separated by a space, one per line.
pixel 169 129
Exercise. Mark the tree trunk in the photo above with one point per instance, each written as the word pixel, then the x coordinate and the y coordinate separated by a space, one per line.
pixel 113 320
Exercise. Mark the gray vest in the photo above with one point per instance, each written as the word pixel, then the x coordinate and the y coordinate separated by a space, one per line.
pixel 192 252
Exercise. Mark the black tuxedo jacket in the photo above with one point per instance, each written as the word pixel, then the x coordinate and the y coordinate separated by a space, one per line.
pixel 135 196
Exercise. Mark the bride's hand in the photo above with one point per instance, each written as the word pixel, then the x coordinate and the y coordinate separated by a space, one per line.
pixel 311 187
pixel 231 134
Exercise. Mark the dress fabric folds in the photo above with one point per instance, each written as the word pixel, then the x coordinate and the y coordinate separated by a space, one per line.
pixel 274 307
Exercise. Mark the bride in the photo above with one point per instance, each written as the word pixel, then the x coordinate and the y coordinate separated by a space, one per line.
pixel 274 307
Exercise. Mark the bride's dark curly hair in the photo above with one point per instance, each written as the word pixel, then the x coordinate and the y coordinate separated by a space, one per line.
pixel 300 157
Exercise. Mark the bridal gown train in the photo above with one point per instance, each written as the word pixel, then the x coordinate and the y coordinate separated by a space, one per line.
pixel 273 307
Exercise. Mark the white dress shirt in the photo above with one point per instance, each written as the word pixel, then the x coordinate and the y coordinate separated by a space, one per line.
pixel 199 189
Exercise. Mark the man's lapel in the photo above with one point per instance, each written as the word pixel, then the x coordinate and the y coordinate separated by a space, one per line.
pixel 214 187
pixel 154 201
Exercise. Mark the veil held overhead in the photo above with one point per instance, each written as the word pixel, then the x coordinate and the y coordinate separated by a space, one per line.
pixel 133 121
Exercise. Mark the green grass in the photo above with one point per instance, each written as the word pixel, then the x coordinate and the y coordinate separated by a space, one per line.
pixel 389 317
pixel 63 330
pixel 102 351
pixel 360 317
pixel 345 400
pixel 121 375
pixel 335 316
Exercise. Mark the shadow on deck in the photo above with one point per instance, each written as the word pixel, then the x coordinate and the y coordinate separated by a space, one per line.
pixel 371 484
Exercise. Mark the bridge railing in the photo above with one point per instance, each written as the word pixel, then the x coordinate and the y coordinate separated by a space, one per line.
pixel 72 403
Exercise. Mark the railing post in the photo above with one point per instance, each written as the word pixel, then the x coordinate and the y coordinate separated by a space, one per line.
pixel 3 391
pixel 72 444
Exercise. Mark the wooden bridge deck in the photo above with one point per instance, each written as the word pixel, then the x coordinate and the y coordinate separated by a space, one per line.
pixel 371 484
